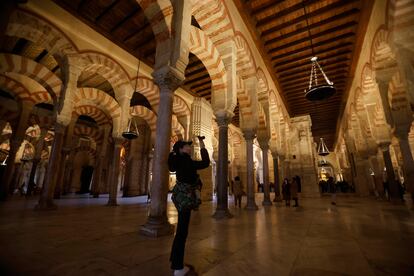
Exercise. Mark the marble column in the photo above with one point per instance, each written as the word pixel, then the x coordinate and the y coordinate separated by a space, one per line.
pixel 115 167
pixel 379 189
pixel 36 159
pixel 46 196
pixel 276 174
pixel 222 209
pixel 266 187
pixel 408 162
pixel 98 179
pixel 249 136
pixel 64 158
pixel 393 188
pixel 16 141
pixel 157 223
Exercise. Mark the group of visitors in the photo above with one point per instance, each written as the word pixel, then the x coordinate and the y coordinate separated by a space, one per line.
pixel 290 190
pixel 330 186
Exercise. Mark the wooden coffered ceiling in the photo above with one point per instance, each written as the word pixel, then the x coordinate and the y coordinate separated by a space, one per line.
pixel 124 23
pixel 337 30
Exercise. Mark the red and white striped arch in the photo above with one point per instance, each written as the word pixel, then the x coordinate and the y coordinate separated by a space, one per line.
pixel 33 27
pixel 86 131
pixel 94 112
pixel 21 92
pixel 246 66
pixel 202 46
pixel 36 71
pixel 85 95
pixel 108 68
pixel 213 17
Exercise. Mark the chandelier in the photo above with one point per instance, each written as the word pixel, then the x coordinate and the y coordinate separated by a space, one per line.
pixel 322 148
pixel 132 130
pixel 317 91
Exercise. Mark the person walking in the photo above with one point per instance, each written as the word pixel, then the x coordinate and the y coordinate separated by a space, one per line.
pixel 237 191
pixel 286 192
pixel 294 189
pixel 184 197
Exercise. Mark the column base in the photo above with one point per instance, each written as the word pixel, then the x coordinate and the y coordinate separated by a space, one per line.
pixel 267 202
pixel 251 207
pixel 222 214
pixel 157 227
pixel 277 199
pixel 45 205
pixel 112 202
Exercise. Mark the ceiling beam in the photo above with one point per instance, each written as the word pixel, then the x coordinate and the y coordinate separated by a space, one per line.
pixel 321 62
pixel 327 8
pixel 125 19
pixel 346 45
pixel 106 10
pixel 284 12
pixel 329 20
pixel 332 30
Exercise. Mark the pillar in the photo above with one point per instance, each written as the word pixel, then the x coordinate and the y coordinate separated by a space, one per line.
pixel 15 142
pixel 46 196
pixel 115 169
pixel 276 174
pixel 265 150
pixel 157 222
pixel 222 210
pixel 379 189
pixel 63 160
pixel 390 171
pixel 408 162
pixel 249 136
pixel 97 187
pixel 38 154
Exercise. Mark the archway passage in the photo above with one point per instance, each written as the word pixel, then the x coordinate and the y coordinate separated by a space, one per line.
pixel 85 179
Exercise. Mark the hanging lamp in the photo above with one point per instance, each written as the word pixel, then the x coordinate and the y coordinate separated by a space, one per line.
pixel 132 130
pixel 322 148
pixel 317 91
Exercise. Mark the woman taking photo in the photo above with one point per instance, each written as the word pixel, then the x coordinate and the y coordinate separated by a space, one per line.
pixel 185 196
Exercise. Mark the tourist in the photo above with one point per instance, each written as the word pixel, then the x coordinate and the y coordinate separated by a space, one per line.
pixel 184 196
pixel 286 192
pixel 332 189
pixel 294 189
pixel 237 191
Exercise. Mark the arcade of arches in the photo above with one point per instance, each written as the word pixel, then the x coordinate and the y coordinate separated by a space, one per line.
pixel 74 75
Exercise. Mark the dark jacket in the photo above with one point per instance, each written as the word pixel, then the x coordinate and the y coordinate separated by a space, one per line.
pixel 185 167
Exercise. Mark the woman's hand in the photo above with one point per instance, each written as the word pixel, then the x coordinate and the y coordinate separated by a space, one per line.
pixel 201 141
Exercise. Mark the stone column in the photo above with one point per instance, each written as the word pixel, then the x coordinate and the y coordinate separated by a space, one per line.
pixel 379 189
pixel 15 143
pixel 222 210
pixel 265 149
pixel 408 162
pixel 157 223
pixel 385 147
pixel 38 154
pixel 276 174
pixel 63 160
pixel 101 162
pixel 46 196
pixel 113 186
pixel 249 136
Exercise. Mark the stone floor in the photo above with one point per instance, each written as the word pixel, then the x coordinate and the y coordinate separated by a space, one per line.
pixel 83 237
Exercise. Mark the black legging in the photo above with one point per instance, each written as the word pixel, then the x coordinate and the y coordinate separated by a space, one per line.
pixel 177 251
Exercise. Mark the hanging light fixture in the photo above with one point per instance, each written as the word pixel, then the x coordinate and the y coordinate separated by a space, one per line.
pixel 322 148
pixel 132 130
pixel 317 91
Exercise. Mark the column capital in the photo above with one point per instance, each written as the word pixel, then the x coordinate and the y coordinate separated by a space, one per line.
pixel 384 76
pixel 384 146
pixel 249 134
pixel 223 119
pixel 167 79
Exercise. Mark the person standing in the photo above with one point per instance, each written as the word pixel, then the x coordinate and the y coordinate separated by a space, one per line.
pixel 184 196
pixel 286 192
pixel 294 189
pixel 237 191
